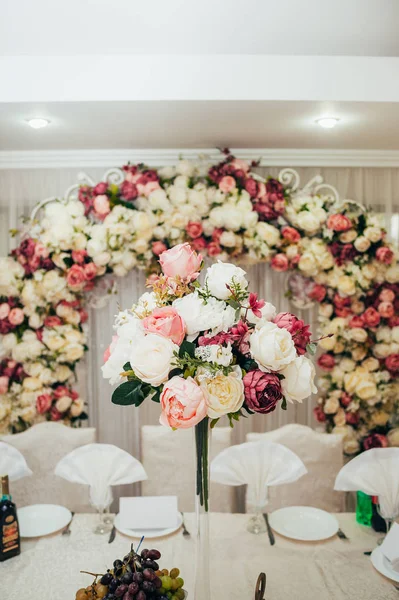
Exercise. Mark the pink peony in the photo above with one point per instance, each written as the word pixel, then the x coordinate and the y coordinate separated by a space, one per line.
pixel 76 277
pixel 371 317
pixel 262 391
pixel 326 362
pixel 252 187
pixel 319 414
pixel 387 296
pixel 4 310
pixel 392 363
pixel 280 262
pixel 194 229
pixel 43 403
pixel 384 255
pixel 386 310
pixel 100 188
pixel 182 261
pixel 129 190
pixel 339 223
pixel 227 184
pixel 375 440
pixel 78 256
pixel 183 403
pixel 318 292
pixel 290 234
pixel 60 391
pixel 101 205
pixel 16 316
pixel 158 247
pixel 90 270
pixel 299 331
pixel 166 322
pixel 4 380
pixel 52 321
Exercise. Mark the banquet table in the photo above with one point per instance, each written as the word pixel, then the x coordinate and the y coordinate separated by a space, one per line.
pixel 49 568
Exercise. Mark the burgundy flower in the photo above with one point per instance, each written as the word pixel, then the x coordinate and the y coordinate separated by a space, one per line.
pixel 299 331
pixel 352 418
pixel 240 335
pixel 129 190
pixel 345 399
pixel 262 391
pixel 252 187
pixel 319 414
pixel 147 176
pixel 375 440
pixel 100 188
pixel 275 190
pixel 343 252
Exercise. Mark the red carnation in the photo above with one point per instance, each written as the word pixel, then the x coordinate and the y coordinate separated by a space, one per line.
pixel 262 391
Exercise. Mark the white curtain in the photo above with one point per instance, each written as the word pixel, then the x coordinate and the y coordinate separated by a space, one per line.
pixel 21 189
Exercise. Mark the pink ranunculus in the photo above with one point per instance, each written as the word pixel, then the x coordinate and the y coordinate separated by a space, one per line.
pixel 384 255
pixel 326 362
pixel 182 261
pixel 296 327
pixel 158 247
pixel 194 229
pixel 101 205
pixel 375 440
pixel 371 317
pixel 262 391
pixel 110 348
pixel 61 390
pixel 78 256
pixel 183 403
pixel 52 321
pixel 252 187
pixel 199 243
pixel 213 249
pixel 317 293
pixel 166 322
pixel 100 189
pixel 129 190
pixel 387 296
pixel 339 223
pixel 90 270
pixel 356 321
pixel 4 380
pixel 16 316
pixel 392 363
pixel 227 184
pixel 280 262
pixel 386 310
pixel 4 310
pixel 319 414
pixel 43 403
pixel 76 277
pixel 345 399
pixel 291 234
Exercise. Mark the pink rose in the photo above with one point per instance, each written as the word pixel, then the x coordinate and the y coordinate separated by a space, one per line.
pixel 326 362
pixel 4 384
pixel 90 270
pixel 392 363
pixel 227 184
pixel 166 322
pixel 158 247
pixel 339 223
pixel 100 188
pixel 387 296
pixel 182 261
pixel 384 255
pixel 199 243
pixel 78 256
pixel 4 310
pixel 356 321
pixel 101 205
pixel 55 414
pixel 290 234
pixel 60 391
pixel 352 418
pixel 345 399
pixel 318 292
pixel 52 321
pixel 194 229
pixel 213 249
pixel 183 403
pixel 280 262
pixel 319 414
pixel 371 317
pixel 129 190
pixel 386 310
pixel 76 277
pixel 340 301
pixel 43 403
pixel 16 316
pixel 41 250
pixel 262 391
pixel 252 187
pixel 145 190
pixel 296 327
pixel 375 440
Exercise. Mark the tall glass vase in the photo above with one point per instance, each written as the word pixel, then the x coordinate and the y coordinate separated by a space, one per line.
pixel 202 584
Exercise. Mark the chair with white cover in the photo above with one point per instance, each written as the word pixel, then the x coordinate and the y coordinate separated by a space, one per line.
pixel 43 445
pixel 322 455
pixel 168 458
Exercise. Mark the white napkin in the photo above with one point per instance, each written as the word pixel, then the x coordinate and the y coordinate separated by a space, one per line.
pixel 12 462
pixel 259 465
pixel 390 546
pixel 100 466
pixel 375 472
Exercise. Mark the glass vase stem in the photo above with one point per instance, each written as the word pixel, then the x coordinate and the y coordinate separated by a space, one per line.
pixel 202 587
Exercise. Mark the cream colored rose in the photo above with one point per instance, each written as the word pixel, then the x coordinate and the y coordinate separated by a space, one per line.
pixel 358 353
pixel 384 334
pixel 346 285
pixel 337 374
pixel 63 403
pixel 228 239
pixel 339 347
pixel 347 365
pixel 53 282
pixel 381 350
pixel 326 310
pixel 362 244
pixel 358 334
pixel 76 408
pixel 371 364
pixel 331 406
pixel 369 272
pixel 351 380
pixel 393 437
pixel 366 389
pixel 28 414
pixel 79 241
pixel 35 321
pixel 9 341
pixel 358 307
pixel 392 274
pixel 298 382
pixel 348 236
pixel 223 394
pixel 308 221
pixel 52 339
pixel 374 234
pixel 307 264
pixel 62 373
pixel 351 445
pixel 395 334
pixel 340 418
pixel 73 352
pixel 380 418
pixel 327 343
pixel 31 383
pixel 268 233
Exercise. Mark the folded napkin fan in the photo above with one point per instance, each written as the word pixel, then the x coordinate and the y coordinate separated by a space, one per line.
pixel 259 465
pixel 100 466
pixel 12 462
pixel 375 472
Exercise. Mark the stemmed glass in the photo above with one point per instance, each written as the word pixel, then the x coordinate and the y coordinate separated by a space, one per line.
pixel 388 522
pixel 103 525
pixel 256 523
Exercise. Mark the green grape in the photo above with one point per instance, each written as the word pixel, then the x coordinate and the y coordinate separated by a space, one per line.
pixel 175 584
pixel 180 582
pixel 166 582
pixel 174 573
pixel 179 594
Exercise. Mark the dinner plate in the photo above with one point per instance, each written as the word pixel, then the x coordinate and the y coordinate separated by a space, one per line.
pixel 148 533
pixel 304 523
pixel 42 519
pixel 382 564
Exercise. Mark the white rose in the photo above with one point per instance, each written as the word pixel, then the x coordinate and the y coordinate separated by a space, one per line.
pixel 158 200
pixel 357 307
pixel 298 382
pixel 348 236
pixel 358 334
pixel 374 234
pixel 167 172
pixel 151 358
pixel 228 239
pixel 351 445
pixel 371 364
pixel 384 334
pixel 9 341
pixel 52 339
pixel 63 403
pixel 308 221
pixel 326 310
pixel 346 285
pixel 359 353
pixel 347 364
pixel 77 407
pixel 307 264
pixel 392 274
pixel 79 241
pixel 272 347
pixel 369 271
pixel 381 350
pixel 331 406
pixel 250 219
pixel 214 353
pixel 177 195
pixel 102 259
pixel 327 343
pixel 366 389
pixel 268 233
pixel 73 352
pixel 220 275
pixel 362 244
pixel 200 316
pixel 326 261
pixel 223 394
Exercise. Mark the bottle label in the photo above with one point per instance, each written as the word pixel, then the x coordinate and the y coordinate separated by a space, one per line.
pixel 10 534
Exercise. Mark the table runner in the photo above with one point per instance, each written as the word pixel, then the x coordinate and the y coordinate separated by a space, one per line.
pixel 48 568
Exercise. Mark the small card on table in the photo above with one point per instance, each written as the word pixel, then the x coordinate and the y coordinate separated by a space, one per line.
pixel 390 546
pixel 148 512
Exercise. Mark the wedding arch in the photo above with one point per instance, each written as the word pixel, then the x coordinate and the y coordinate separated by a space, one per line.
pixel 334 252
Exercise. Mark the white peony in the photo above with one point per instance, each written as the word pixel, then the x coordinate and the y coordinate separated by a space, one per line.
pixel 151 358
pixel 298 382
pixel 272 347
pixel 308 221
pixel 200 316
pixel 220 275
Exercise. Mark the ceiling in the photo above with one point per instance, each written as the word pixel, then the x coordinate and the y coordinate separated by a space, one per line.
pixel 238 124
pixel 318 27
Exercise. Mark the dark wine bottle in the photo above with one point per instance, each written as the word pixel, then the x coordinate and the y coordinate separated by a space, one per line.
pixel 377 522
pixel 10 543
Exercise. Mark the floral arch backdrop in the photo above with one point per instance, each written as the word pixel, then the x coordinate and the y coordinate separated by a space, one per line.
pixel 334 252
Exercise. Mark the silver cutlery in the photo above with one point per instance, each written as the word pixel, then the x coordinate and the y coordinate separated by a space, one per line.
pixel 342 535
pixel 185 530
pixel 270 533
pixel 112 535
pixel 67 530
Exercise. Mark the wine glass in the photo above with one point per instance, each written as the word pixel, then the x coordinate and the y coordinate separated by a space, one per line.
pixel 103 526
pixel 256 523
pixel 388 521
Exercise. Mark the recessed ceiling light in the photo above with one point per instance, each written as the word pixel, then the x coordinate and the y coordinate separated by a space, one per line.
pixel 38 123
pixel 327 122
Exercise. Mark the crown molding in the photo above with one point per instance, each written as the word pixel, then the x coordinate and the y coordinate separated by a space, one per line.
pixel 270 157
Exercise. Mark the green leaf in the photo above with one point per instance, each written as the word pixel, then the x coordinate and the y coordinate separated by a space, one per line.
pixel 234 304
pixel 311 348
pixel 284 404
pixel 187 348
pixel 127 367
pixel 175 372
pixel 128 393
pixel 213 423
pixel 157 396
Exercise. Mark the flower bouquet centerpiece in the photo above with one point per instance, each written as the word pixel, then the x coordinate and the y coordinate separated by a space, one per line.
pixel 205 352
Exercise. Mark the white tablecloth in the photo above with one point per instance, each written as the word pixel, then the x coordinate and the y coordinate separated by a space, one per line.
pixel 48 568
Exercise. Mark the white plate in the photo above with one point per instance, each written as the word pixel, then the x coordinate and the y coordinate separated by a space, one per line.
pixel 42 519
pixel 381 563
pixel 304 523
pixel 148 533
